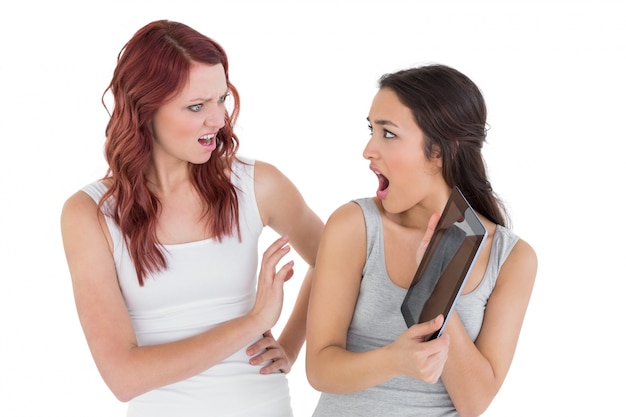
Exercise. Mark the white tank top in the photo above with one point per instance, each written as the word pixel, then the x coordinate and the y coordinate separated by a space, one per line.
pixel 206 283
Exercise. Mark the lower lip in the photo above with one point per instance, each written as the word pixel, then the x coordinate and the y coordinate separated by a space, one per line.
pixel 210 147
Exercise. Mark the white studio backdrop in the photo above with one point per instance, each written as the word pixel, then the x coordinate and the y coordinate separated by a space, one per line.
pixel 552 73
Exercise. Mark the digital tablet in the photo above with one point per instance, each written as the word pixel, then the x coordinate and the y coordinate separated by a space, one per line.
pixel 447 262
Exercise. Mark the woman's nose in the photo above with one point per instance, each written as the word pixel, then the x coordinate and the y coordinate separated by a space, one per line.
pixel 216 117
pixel 369 152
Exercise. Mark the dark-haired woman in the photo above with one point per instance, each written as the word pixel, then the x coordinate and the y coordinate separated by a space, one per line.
pixel 427 130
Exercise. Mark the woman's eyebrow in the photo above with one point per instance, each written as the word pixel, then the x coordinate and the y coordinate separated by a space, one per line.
pixel 383 122
pixel 204 99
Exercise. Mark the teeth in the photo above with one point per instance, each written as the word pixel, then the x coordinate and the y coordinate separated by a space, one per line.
pixel 207 138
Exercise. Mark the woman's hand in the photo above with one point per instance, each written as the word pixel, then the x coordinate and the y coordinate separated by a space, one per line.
pixel 428 235
pixel 269 294
pixel 268 350
pixel 418 359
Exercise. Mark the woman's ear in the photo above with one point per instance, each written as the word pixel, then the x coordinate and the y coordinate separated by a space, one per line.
pixel 436 156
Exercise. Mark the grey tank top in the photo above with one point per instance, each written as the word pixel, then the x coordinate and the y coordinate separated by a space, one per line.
pixel 377 321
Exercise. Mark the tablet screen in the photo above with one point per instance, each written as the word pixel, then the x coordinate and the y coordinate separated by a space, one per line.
pixel 446 264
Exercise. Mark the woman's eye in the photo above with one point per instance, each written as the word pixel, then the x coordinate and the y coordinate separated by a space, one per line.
pixel 224 97
pixel 388 134
pixel 370 128
pixel 195 107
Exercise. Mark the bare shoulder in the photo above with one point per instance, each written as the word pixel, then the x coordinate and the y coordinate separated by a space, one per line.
pixel 82 224
pixel 345 231
pixel 522 258
pixel 347 216
pixel 81 205
pixel 77 206
pixel 266 171
pixel 519 271
pixel 270 181
pixel 260 165
pixel 277 196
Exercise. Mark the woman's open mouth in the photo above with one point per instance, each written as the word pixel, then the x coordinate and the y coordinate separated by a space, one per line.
pixel 208 141
pixel 383 185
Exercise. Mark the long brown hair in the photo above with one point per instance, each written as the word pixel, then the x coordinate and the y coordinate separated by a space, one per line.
pixel 151 68
pixel 451 111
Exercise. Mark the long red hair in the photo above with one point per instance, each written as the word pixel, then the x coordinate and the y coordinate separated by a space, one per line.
pixel 151 68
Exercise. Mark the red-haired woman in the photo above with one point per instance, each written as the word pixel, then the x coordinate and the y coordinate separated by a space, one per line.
pixel 163 251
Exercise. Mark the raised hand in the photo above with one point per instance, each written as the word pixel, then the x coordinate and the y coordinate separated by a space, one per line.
pixel 269 295
pixel 428 235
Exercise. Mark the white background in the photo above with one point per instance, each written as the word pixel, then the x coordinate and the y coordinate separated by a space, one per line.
pixel 552 73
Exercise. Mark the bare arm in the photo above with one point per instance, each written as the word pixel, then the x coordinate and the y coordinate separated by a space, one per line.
pixel 130 370
pixel 474 373
pixel 285 211
pixel 330 366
